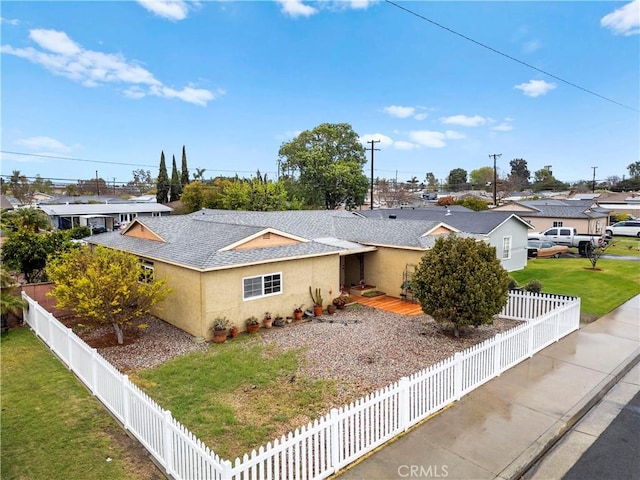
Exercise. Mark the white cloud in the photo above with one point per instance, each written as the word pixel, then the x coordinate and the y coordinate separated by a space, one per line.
pixel 399 111
pixel 531 46
pixel 535 88
pixel 428 138
pixel 44 143
pixel 402 145
pixel 295 8
pixel 10 21
pixel 625 20
pixel 360 4
pixel 504 126
pixel 464 121
pixel 384 140
pixel 420 116
pixel 169 9
pixel 453 135
pixel 62 56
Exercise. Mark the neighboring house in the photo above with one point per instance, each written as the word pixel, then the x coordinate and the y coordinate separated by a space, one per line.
pixel 238 264
pixel 64 217
pixel 623 202
pixel 584 215
pixel 505 231
pixel 9 203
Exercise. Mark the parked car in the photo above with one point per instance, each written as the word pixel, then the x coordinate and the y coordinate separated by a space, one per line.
pixel 628 228
pixel 545 249
pixel 570 237
pixel 98 229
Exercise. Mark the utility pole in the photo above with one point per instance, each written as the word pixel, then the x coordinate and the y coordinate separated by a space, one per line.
pixel 97 183
pixel 593 185
pixel 372 149
pixel 495 177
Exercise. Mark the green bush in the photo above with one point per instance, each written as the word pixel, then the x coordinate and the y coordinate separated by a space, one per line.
pixel 534 286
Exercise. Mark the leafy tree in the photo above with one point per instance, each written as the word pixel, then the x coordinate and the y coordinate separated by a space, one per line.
pixel 42 186
pixel 192 197
pixel 162 184
pixel 29 218
pixel 106 286
pixel 520 174
pixel 473 203
pixel 432 181
pixel 544 180
pixel 461 281
pixel 176 186
pixel 265 196
pixel 457 179
pixel 184 171
pixel 634 169
pixel 482 177
pixel 20 187
pixel 328 160
pixel 10 302
pixel 141 181
pixel 28 252
pixel 72 190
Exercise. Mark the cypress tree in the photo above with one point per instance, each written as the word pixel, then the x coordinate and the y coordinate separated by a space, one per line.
pixel 176 186
pixel 184 176
pixel 162 185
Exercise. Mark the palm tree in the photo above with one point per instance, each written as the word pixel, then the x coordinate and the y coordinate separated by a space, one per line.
pixel 9 301
pixel 31 218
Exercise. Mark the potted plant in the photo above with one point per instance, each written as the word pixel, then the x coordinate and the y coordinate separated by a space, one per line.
pixel 297 313
pixel 253 325
pixel 279 321
pixel 267 321
pixel 220 329
pixel 317 301
pixel 331 308
pixel 233 331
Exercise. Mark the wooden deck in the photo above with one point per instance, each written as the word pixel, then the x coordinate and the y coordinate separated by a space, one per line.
pixel 390 304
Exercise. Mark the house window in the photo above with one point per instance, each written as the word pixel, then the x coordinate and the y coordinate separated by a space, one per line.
pixel 261 286
pixel 146 271
pixel 156 214
pixel 558 224
pixel 506 248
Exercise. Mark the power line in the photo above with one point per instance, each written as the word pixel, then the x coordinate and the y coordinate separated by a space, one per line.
pixel 115 163
pixel 590 92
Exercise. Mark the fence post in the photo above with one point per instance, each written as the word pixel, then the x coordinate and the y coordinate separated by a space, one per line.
pixel 168 443
pixel 457 376
pixel 335 440
pixel 497 355
pixel 94 372
pixel 69 349
pixel 225 474
pixel 125 402
pixel 404 403
pixel 530 346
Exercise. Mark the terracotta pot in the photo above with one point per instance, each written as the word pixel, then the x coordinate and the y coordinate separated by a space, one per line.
pixel 297 315
pixel 233 332
pixel 331 309
pixel 317 310
pixel 253 328
pixel 267 322
pixel 219 336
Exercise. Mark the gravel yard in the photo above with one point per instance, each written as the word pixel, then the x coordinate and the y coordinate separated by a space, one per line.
pixel 366 347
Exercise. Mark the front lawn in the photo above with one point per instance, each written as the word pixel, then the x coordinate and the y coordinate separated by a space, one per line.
pixel 601 290
pixel 52 428
pixel 624 246
pixel 238 395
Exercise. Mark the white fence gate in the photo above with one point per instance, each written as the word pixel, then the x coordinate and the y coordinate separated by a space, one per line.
pixel 335 440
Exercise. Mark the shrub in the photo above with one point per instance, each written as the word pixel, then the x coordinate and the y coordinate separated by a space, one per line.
pixel 534 286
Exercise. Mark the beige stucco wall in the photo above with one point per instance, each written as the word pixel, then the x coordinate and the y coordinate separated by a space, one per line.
pixel 385 268
pixel 182 307
pixel 222 290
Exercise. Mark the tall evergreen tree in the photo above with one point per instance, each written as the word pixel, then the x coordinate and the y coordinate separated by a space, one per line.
pixel 184 175
pixel 162 185
pixel 176 186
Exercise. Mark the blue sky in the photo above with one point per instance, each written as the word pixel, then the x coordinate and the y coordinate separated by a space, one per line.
pixel 118 82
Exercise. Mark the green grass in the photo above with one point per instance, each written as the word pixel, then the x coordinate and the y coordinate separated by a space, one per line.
pixel 601 290
pixel 625 246
pixel 52 428
pixel 237 395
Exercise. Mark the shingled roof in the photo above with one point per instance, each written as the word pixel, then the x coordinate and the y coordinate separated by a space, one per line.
pixel 200 240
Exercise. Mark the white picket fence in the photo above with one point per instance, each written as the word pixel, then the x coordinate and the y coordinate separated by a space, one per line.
pixel 335 440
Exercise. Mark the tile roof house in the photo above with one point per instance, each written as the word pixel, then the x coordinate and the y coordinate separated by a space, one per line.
pixel 239 264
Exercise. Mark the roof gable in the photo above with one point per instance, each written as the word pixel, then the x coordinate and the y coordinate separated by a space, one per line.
pixel 266 238
pixel 137 229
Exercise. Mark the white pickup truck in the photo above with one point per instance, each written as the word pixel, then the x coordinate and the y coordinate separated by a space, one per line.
pixel 571 238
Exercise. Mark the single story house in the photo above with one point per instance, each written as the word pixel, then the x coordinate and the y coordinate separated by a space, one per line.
pixel 239 264
pixel 69 215
pixel 584 215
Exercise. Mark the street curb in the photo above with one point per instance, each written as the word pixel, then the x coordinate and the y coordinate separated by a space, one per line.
pixel 548 439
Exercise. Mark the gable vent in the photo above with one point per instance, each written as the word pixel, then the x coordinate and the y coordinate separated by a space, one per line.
pixel 266 236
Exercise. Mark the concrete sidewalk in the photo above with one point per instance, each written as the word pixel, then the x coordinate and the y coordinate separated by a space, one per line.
pixel 500 429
